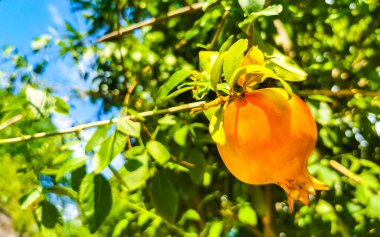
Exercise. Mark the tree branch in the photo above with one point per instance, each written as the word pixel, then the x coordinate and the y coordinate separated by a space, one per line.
pixel 102 123
pixel 10 121
pixel 345 92
pixel 346 172
pixel 180 11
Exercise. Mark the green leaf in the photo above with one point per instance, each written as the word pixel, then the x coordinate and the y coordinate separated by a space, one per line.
pixel 216 127
pixel 226 44
pixel 175 94
pixel 373 206
pixel 98 137
pixel 72 164
pixel 180 135
pixel 136 171
pixel 168 120
pixel 134 151
pixel 112 146
pixel 135 114
pixel 216 71
pixel 207 60
pixel 95 200
pixel 36 97
pixel 172 82
pixel 234 57
pixel 50 215
pixel 247 215
pixel 40 42
pixel 252 69
pixel 285 66
pixel 211 111
pixel 263 73
pixel 61 190
pixel 324 113
pixel 120 227
pixel 249 6
pixel 189 215
pixel 247 24
pixel 30 198
pixel 196 157
pixel 164 196
pixel 129 127
pixel 158 151
pixel 61 106
pixel 62 156
pixel 216 229
pixel 286 87
pixel 271 10
pixel 8 51
pixel 77 177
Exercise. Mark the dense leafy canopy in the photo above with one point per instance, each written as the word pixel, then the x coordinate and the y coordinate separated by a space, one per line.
pixel 164 175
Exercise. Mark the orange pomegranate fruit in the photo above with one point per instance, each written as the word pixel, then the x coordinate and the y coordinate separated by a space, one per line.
pixel 269 139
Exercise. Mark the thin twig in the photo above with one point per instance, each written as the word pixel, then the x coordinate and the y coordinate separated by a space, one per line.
pixel 10 121
pixel 219 29
pixel 346 172
pixel 345 92
pixel 102 123
pixel 285 41
pixel 180 11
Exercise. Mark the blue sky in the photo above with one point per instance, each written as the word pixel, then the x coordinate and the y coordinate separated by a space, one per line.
pixel 23 20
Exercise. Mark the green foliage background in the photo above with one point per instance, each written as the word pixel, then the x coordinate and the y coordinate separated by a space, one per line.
pixel 173 181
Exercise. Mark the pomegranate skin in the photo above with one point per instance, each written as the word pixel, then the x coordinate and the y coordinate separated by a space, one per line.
pixel 269 139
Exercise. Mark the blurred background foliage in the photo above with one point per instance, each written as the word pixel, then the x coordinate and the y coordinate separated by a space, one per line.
pixel 172 181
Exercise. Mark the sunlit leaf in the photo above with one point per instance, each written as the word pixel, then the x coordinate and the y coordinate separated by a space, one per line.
pixel 129 127
pixel 172 82
pixel 168 120
pixel 251 5
pixel 226 44
pixel 98 137
pixel 30 198
pixel 216 71
pixel 70 165
pixel 207 60
pixel 234 57
pixel 373 206
pixel 61 106
pixel 247 24
pixel 158 151
pixel 40 42
pixel 189 215
pixel 108 150
pixel 216 127
pixel 247 215
pixel 136 171
pixel 180 135
pixel 216 229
